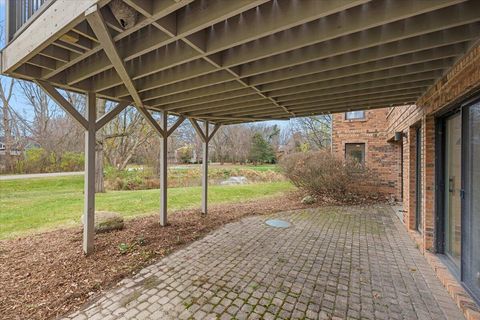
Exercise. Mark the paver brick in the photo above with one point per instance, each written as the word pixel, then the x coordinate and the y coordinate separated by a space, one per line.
pixel 333 263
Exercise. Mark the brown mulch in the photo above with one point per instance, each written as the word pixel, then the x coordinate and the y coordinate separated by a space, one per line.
pixel 46 275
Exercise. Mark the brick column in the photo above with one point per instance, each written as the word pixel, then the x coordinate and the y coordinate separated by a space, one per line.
pixel 410 179
pixel 428 171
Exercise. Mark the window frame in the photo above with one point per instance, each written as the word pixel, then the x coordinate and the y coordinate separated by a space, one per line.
pixel 364 155
pixel 364 115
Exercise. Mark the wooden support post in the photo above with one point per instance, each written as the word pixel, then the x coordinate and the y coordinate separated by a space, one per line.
pixel 163 170
pixel 205 136
pixel 89 194
pixel 205 170
pixel 163 131
pixel 91 126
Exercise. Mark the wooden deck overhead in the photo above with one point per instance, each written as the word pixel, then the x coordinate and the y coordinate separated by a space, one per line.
pixel 230 61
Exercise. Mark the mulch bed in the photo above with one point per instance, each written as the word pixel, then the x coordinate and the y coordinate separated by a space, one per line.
pixel 46 275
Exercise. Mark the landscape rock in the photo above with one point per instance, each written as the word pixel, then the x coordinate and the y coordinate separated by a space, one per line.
pixel 234 181
pixel 107 221
pixel 308 200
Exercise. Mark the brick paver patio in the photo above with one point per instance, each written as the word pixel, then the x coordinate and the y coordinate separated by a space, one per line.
pixel 332 263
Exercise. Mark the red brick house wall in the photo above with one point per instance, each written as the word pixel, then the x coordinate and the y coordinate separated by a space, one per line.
pixel 378 129
pixel 380 156
pixel 459 84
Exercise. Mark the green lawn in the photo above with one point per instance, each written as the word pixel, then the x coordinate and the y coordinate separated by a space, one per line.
pixel 41 204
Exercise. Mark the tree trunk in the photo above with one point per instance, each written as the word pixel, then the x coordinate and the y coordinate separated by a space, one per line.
pixel 5 96
pixel 99 181
pixel 8 138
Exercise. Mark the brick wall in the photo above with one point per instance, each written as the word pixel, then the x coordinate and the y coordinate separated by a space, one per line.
pixel 461 82
pixel 380 155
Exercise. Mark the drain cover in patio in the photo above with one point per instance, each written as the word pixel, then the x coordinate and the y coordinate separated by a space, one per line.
pixel 277 223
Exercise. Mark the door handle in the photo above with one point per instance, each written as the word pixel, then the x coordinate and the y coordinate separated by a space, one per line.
pixel 450 185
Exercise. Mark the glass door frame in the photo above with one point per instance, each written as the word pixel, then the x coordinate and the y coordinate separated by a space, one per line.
pixel 440 194
pixel 466 212
pixel 440 147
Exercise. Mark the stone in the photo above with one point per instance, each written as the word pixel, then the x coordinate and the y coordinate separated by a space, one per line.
pixel 308 200
pixel 107 221
pixel 234 181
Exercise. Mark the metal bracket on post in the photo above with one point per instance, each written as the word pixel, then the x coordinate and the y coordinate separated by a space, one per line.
pixel 205 136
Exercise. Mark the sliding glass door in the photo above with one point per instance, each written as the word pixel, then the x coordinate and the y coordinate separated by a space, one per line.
pixel 471 216
pixel 460 178
pixel 452 201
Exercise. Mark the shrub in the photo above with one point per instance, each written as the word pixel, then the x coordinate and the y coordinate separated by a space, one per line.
pixel 72 161
pixel 328 176
pixel 130 179
pixel 141 179
pixel 38 160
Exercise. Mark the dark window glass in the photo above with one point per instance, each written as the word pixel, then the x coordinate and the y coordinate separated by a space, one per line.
pixel 355 115
pixel 355 151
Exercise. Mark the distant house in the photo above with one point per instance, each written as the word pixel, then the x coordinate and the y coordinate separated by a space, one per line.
pixel 186 154
pixel 16 151
pixel 19 148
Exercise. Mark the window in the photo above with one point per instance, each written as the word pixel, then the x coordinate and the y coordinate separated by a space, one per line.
pixel 355 115
pixel 355 151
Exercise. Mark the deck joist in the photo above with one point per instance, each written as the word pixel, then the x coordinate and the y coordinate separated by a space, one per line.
pixel 247 60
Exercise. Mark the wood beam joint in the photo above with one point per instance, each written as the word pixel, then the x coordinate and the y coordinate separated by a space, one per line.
pixel 62 102
pixel 111 114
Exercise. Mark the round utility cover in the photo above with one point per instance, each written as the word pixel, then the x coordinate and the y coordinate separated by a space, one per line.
pixel 277 223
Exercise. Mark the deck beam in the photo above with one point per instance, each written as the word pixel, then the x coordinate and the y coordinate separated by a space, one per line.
pixel 111 114
pixel 385 18
pixel 63 103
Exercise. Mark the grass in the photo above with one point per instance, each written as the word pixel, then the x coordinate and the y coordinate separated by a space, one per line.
pixel 34 205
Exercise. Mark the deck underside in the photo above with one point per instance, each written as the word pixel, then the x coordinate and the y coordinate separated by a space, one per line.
pixel 241 61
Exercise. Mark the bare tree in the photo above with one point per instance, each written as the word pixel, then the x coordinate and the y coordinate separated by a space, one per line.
pixel 99 182
pixel 123 136
pixel 220 145
pixel 239 141
pixel 315 130
pixel 43 131
pixel 6 92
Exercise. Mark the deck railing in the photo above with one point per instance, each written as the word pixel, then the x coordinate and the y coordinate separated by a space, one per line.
pixel 19 13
